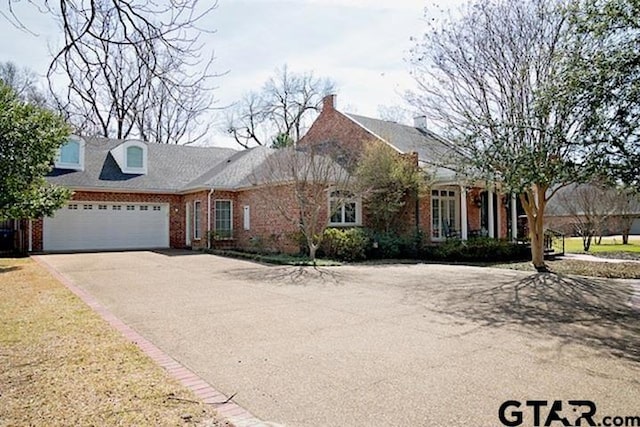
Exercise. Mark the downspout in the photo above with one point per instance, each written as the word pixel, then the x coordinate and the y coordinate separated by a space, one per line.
pixel 30 236
pixel 209 219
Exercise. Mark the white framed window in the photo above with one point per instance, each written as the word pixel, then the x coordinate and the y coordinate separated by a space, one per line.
pixel 87 207
pixel 344 209
pixel 71 154
pixel 444 214
pixel 144 207
pixel 246 217
pixel 223 219
pixel 116 207
pixel 156 208
pixel 131 156
pixel 197 228
pixel 131 207
pixel 73 207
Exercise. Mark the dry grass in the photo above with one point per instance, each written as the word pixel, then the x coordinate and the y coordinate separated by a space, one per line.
pixel 61 364
pixel 626 270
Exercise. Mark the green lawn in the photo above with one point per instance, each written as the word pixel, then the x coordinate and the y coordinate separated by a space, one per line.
pixel 609 244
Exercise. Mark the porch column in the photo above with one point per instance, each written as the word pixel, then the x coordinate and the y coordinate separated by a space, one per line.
pixel 492 229
pixel 514 218
pixel 463 213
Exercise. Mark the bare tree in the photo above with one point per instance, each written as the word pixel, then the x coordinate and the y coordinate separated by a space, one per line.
pixel 280 112
pixel 318 186
pixel 24 83
pixel 591 207
pixel 133 68
pixel 395 113
pixel 627 206
pixel 491 79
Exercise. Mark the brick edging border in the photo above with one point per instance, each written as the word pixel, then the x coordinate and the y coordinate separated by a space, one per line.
pixel 227 410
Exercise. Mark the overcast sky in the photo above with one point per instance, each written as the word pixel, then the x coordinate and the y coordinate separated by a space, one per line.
pixel 360 44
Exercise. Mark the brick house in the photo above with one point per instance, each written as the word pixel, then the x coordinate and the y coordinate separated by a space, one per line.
pixel 453 207
pixel 129 194
pixel 132 195
pixel 565 211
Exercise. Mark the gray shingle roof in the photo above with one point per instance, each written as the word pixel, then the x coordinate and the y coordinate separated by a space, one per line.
pixel 237 171
pixel 170 167
pixel 406 139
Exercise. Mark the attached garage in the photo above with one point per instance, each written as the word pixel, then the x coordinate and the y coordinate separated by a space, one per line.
pixel 635 227
pixel 104 225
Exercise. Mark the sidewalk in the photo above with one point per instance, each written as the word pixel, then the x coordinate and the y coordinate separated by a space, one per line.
pixel 586 257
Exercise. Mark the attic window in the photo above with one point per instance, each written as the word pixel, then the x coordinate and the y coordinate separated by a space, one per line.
pixel 134 157
pixel 131 156
pixel 71 155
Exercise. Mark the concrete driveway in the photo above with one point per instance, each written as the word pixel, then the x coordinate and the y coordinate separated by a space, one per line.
pixel 396 345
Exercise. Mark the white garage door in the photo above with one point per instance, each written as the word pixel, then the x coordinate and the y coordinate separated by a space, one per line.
pixel 87 226
pixel 635 227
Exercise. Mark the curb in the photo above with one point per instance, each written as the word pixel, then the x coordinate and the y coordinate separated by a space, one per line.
pixel 227 409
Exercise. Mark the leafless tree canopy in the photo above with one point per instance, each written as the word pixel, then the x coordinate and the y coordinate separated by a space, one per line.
pixel 590 207
pixel 24 83
pixel 310 176
pixel 280 112
pixel 134 68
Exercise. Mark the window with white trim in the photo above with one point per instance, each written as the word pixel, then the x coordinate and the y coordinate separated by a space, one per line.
pixel 223 219
pixel 197 228
pixel 131 156
pixel 71 154
pixel 444 214
pixel 344 208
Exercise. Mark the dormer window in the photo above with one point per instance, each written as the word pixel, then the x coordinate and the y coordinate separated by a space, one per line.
pixel 134 157
pixel 131 156
pixel 71 154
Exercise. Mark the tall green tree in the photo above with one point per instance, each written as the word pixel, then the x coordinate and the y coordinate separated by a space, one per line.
pixel 605 78
pixel 491 79
pixel 29 139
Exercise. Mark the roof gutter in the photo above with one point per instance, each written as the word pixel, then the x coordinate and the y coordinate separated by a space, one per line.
pixel 209 219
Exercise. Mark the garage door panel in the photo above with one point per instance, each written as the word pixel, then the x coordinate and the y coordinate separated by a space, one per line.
pixel 87 226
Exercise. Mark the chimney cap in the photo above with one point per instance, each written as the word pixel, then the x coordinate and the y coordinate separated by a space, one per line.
pixel 420 122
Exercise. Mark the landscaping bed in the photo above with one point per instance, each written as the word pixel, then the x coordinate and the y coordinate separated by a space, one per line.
pixel 62 364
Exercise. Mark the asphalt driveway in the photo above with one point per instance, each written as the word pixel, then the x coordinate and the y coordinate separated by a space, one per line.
pixel 405 345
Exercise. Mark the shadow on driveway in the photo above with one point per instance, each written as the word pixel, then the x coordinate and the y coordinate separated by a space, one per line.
pixel 589 311
pixel 288 275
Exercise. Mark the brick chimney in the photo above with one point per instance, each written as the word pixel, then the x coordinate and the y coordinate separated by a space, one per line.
pixel 329 102
pixel 420 122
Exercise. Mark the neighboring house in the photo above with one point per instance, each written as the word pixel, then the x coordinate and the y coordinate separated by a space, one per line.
pixel 452 207
pixel 574 205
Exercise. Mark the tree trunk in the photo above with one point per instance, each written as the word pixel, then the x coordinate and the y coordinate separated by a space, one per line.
pixel 537 245
pixel 313 248
pixel 625 236
pixel 534 201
